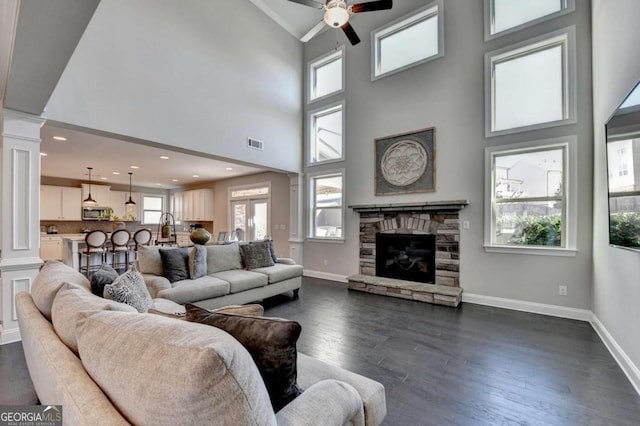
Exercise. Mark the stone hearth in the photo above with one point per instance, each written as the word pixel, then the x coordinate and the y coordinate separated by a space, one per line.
pixel 437 218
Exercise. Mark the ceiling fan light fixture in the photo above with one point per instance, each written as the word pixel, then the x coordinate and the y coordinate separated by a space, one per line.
pixel 337 14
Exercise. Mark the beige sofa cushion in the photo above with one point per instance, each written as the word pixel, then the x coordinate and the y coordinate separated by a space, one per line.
pixel 223 257
pixel 241 280
pixel 203 288
pixel 52 276
pixel 201 374
pixel 280 272
pixel 149 261
pixel 71 300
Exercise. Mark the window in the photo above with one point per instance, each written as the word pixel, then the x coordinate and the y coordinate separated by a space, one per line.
pixel 327 205
pixel 531 85
pixel 531 191
pixel 326 75
pixel 325 134
pixel 152 207
pixel 506 16
pixel 409 41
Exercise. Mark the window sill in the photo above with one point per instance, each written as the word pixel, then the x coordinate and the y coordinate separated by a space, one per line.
pixel 535 251
pixel 325 240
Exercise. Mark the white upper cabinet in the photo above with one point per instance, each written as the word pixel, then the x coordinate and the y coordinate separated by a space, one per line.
pixel 60 203
pixel 193 205
pixel 100 193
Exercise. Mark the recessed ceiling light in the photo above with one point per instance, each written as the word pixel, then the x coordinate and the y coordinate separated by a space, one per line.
pixel 158 184
pixel 104 178
pixel 135 167
pixel 43 154
pixel 60 138
pixel 229 168
pixel 164 157
pixel 175 180
pixel 115 173
pixel 196 175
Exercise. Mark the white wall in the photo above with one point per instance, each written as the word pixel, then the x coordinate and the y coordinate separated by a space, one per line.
pixel 197 74
pixel 616 68
pixel 448 94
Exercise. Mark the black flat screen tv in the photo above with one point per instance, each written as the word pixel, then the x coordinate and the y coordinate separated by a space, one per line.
pixel 623 171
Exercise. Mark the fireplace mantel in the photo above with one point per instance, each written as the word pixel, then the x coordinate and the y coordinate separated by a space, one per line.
pixel 428 206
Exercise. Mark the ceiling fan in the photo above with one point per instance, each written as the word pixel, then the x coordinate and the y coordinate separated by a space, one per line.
pixel 337 14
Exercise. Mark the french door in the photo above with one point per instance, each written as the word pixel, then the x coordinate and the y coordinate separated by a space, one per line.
pixel 250 219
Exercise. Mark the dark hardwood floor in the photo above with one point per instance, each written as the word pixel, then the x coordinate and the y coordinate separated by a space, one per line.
pixel 472 365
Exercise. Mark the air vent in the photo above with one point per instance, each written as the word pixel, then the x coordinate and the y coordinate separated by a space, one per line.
pixel 255 144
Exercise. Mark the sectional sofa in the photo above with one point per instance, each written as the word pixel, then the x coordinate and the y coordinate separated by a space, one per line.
pixel 108 364
pixel 227 280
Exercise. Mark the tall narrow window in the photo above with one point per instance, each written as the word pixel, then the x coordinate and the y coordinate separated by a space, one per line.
pixel 529 190
pixel 408 41
pixel 326 134
pixel 531 85
pixel 327 206
pixel 326 75
pixel 152 207
pixel 506 16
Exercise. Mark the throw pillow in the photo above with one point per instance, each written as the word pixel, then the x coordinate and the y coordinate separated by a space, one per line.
pixel 271 342
pixel 175 263
pixel 256 255
pixel 103 276
pixel 272 250
pixel 223 257
pixel 49 280
pixel 130 288
pixel 149 261
pixel 197 261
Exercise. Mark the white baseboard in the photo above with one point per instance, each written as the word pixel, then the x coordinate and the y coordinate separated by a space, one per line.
pixel 10 336
pixel 625 363
pixel 325 276
pixel 535 308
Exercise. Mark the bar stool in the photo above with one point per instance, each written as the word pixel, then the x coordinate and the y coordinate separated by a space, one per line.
pixel 94 242
pixel 142 237
pixel 120 244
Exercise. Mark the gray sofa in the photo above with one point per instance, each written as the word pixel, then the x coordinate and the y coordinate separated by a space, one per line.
pixel 226 281
pixel 107 364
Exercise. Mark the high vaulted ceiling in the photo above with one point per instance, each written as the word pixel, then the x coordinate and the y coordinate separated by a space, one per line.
pixel 39 37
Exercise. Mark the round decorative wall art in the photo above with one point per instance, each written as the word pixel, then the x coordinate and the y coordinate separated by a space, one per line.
pixel 404 162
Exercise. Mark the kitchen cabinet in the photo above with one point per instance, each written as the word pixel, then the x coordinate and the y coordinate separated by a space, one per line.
pixel 51 247
pixel 120 209
pixel 60 203
pixel 192 206
pixel 100 193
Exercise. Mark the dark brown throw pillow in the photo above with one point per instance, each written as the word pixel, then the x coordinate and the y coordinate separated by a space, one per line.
pixel 175 263
pixel 271 342
pixel 256 255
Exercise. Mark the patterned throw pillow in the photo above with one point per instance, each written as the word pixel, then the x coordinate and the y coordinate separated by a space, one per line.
pixel 271 342
pixel 103 276
pixel 197 262
pixel 256 255
pixel 130 288
pixel 175 263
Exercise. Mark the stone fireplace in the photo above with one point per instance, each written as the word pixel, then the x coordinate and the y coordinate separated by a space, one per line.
pixel 419 257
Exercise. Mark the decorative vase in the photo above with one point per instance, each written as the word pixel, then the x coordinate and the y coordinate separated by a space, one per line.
pixel 200 236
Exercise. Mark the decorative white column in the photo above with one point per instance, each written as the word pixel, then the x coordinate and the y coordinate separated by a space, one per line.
pixel 296 220
pixel 19 212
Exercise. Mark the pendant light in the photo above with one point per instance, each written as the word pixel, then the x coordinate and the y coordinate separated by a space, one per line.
pixel 130 202
pixel 89 200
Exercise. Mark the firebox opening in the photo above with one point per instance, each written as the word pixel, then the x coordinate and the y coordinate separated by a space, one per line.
pixel 408 257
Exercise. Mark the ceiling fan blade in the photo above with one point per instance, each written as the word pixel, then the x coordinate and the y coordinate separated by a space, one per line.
pixel 371 6
pixel 309 3
pixel 351 34
pixel 313 32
